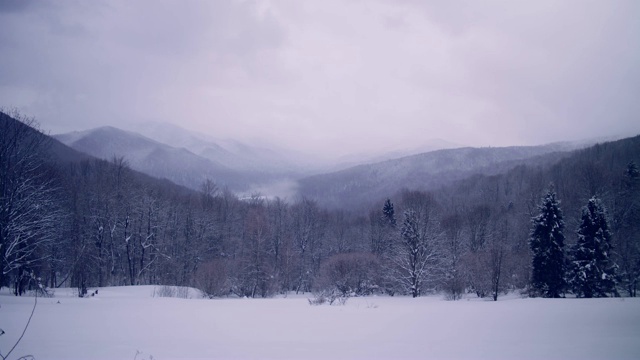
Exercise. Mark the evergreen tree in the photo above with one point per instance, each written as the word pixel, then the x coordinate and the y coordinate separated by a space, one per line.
pixel 593 273
pixel 388 214
pixel 632 172
pixel 382 229
pixel 547 245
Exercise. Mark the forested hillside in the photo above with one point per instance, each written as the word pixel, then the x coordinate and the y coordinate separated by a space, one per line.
pixel 361 185
pixel 81 222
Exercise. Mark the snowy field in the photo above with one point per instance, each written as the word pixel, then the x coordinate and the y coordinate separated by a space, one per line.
pixel 128 323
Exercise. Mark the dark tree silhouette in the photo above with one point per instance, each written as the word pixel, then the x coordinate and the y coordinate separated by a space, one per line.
pixel 547 245
pixel 593 272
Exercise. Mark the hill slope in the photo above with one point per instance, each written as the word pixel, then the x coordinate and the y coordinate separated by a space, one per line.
pixel 154 158
pixel 234 155
pixel 363 184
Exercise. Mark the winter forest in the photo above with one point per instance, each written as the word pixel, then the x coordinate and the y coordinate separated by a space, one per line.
pixel 569 228
pixel 288 180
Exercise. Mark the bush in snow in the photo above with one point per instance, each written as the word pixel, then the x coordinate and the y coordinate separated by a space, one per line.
pixel 328 296
pixel 212 279
pixel 181 292
pixel 347 274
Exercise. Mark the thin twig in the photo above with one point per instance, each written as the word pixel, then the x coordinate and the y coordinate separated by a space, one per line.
pixel 25 327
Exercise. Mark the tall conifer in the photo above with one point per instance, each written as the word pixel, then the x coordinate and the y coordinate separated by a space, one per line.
pixel 593 273
pixel 547 245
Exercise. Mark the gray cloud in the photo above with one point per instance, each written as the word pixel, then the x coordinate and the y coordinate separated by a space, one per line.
pixel 14 5
pixel 330 76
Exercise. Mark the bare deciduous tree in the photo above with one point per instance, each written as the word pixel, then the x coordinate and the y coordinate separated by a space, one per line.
pixel 453 251
pixel 29 210
pixel 416 257
pixel 308 229
pixel 349 273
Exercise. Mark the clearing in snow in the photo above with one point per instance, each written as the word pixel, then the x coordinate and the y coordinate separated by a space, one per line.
pixel 129 322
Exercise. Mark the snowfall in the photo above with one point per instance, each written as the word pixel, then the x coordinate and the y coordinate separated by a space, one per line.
pixel 135 323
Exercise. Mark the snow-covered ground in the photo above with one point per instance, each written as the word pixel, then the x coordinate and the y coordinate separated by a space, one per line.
pixel 119 322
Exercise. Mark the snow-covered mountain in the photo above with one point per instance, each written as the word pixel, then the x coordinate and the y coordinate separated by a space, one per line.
pixel 230 153
pixel 188 158
pixel 351 160
pixel 160 160
pixel 269 157
pixel 363 184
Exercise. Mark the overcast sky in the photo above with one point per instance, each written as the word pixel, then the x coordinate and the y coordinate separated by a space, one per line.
pixel 329 76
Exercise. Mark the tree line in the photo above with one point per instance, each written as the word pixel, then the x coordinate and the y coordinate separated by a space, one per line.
pixel 88 223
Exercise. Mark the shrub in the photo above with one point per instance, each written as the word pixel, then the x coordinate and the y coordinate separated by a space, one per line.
pixel 328 296
pixel 349 274
pixel 181 292
pixel 212 279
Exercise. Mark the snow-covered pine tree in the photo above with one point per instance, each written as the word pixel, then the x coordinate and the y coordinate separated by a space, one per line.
pixel 593 272
pixel 388 214
pixel 383 228
pixel 547 244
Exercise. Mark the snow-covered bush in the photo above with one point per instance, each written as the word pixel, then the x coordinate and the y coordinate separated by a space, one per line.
pixel 181 292
pixel 329 296
pixel 212 279
pixel 349 274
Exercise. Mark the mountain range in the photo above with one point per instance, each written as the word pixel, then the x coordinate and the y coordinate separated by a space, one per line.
pixel 363 184
pixel 151 157
pixel 188 159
